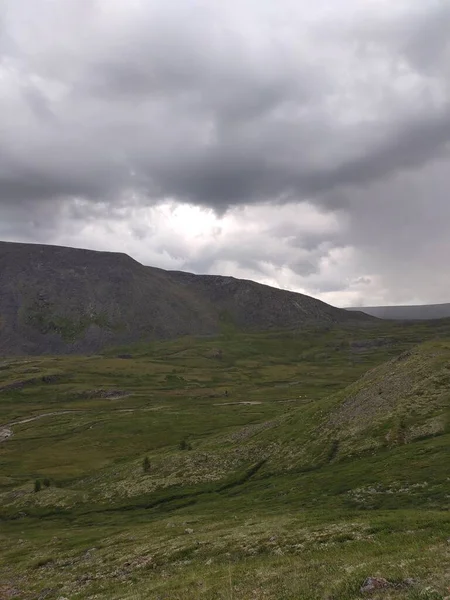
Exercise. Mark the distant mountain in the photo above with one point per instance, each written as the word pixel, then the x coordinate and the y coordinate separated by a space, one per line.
pixel 59 300
pixel 409 313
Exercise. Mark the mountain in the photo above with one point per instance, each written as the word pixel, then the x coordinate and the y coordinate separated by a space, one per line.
pixel 58 300
pixel 407 313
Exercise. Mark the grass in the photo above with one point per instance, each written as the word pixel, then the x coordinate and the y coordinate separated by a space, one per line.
pixel 289 465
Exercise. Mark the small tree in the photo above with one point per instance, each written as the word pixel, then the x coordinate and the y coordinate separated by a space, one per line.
pixel 401 431
pixel 333 450
pixel 146 465
pixel 398 433
pixel 37 486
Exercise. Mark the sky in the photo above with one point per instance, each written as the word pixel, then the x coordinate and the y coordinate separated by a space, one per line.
pixel 305 145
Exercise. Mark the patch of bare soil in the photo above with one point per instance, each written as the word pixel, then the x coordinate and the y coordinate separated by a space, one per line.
pixel 101 393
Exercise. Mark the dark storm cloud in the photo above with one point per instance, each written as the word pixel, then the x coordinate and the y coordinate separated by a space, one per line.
pixel 171 103
pixel 224 174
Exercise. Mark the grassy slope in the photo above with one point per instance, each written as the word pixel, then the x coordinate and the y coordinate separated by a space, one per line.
pixel 292 488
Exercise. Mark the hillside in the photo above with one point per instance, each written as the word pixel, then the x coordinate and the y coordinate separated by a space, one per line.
pixel 401 402
pixel 280 465
pixel 407 313
pixel 60 300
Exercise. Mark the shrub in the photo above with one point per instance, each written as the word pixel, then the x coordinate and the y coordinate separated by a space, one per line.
pixel 184 445
pixel 398 433
pixel 46 483
pixel 333 450
pixel 37 486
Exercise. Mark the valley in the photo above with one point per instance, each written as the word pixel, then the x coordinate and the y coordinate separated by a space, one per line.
pixel 281 464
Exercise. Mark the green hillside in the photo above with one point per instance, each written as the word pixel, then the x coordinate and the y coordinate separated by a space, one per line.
pixel 268 465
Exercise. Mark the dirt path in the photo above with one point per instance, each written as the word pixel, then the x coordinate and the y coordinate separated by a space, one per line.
pixel 6 432
pixel 50 414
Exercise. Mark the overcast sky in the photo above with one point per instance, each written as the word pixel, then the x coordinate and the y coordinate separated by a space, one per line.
pixel 301 144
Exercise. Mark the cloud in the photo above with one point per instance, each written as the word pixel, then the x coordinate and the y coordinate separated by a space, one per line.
pixel 334 116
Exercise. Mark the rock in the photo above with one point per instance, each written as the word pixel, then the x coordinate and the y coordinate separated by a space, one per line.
pixel 7 592
pixel 372 584
pixel 5 433
pixel 45 593
pixel 188 530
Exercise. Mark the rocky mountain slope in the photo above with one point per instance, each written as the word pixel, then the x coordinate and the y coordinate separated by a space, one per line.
pixel 59 300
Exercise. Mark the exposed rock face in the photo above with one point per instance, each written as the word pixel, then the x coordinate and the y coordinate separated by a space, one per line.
pixel 376 584
pixel 373 584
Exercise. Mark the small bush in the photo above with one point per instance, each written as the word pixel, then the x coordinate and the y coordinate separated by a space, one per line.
pixel 43 562
pixel 184 445
pixel 37 486
pixel 398 433
pixel 146 465
pixel 46 483
pixel 333 450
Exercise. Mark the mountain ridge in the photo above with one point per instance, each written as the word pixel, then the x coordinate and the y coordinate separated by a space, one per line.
pixel 417 312
pixel 57 299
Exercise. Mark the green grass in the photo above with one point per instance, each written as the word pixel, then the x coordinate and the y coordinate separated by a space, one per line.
pixel 310 464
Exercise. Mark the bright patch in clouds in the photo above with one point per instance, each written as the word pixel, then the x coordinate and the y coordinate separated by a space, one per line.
pixel 280 246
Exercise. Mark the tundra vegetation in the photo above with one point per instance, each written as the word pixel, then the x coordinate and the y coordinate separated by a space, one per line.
pixel 306 465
